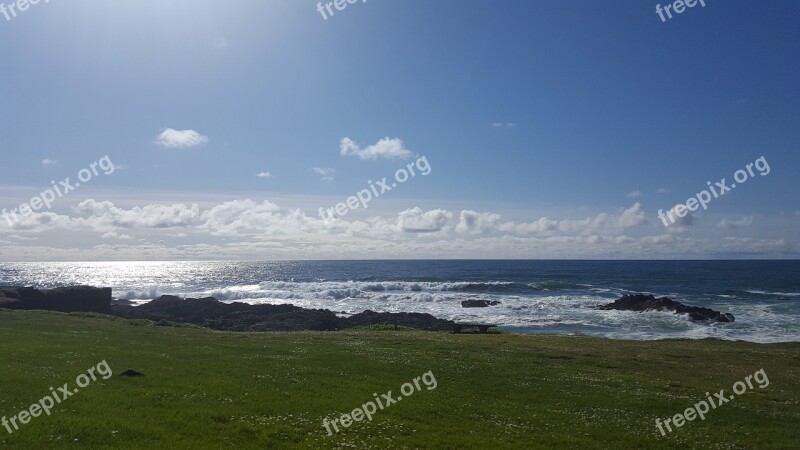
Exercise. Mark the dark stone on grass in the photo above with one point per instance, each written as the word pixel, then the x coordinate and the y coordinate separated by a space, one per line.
pixel 131 373
pixel 642 302
pixel 479 303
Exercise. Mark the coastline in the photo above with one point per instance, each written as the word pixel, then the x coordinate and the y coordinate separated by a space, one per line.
pixel 549 297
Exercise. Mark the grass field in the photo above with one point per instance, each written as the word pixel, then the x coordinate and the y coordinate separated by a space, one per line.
pixel 206 389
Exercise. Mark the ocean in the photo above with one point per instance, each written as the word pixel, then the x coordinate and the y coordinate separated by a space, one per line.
pixel 558 297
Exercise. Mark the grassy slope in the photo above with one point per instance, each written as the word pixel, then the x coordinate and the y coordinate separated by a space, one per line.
pixel 206 389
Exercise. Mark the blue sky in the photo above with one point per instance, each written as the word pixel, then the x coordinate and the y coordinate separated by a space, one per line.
pixel 590 115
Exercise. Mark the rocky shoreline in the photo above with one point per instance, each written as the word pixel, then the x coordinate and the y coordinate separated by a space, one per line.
pixel 208 312
pixel 211 313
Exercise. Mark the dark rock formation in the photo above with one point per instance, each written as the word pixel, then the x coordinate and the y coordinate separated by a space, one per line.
pixel 207 312
pixel 478 303
pixel 131 373
pixel 66 299
pixel 210 313
pixel 413 320
pixel 641 302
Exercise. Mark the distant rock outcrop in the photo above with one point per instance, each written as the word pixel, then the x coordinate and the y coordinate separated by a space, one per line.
pixel 479 303
pixel 642 302
pixel 66 299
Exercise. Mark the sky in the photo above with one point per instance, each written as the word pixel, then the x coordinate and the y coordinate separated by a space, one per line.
pixel 533 129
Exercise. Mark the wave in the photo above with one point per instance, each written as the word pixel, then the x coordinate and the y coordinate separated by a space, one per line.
pixel 534 310
pixel 779 294
pixel 148 294
pixel 554 286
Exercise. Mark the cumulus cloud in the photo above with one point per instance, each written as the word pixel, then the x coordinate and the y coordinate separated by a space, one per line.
pixel 473 222
pixel 325 172
pixel 386 148
pixel 244 229
pixel 245 217
pixel 115 235
pixel 541 225
pixel 106 215
pixel 49 162
pixel 730 224
pixel 263 174
pixel 632 216
pixel 170 138
pixel 680 224
pixel 416 221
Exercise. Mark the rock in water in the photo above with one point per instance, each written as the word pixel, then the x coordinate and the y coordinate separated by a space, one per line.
pixel 478 303
pixel 642 302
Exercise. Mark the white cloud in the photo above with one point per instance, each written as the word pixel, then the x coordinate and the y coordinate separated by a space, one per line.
pixel 105 216
pixel 503 125
pixel 385 148
pixel 115 235
pixel 263 175
pixel 662 191
pixel 416 221
pixel 730 224
pixel 325 172
pixel 49 162
pixel 248 229
pixel 18 237
pixel 538 226
pixel 472 222
pixel 634 194
pixel 632 216
pixel 245 217
pixel 680 224
pixel 170 138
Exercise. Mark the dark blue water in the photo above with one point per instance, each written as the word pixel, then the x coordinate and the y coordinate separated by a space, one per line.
pixel 537 296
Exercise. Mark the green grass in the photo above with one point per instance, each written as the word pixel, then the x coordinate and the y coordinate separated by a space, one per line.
pixel 206 389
